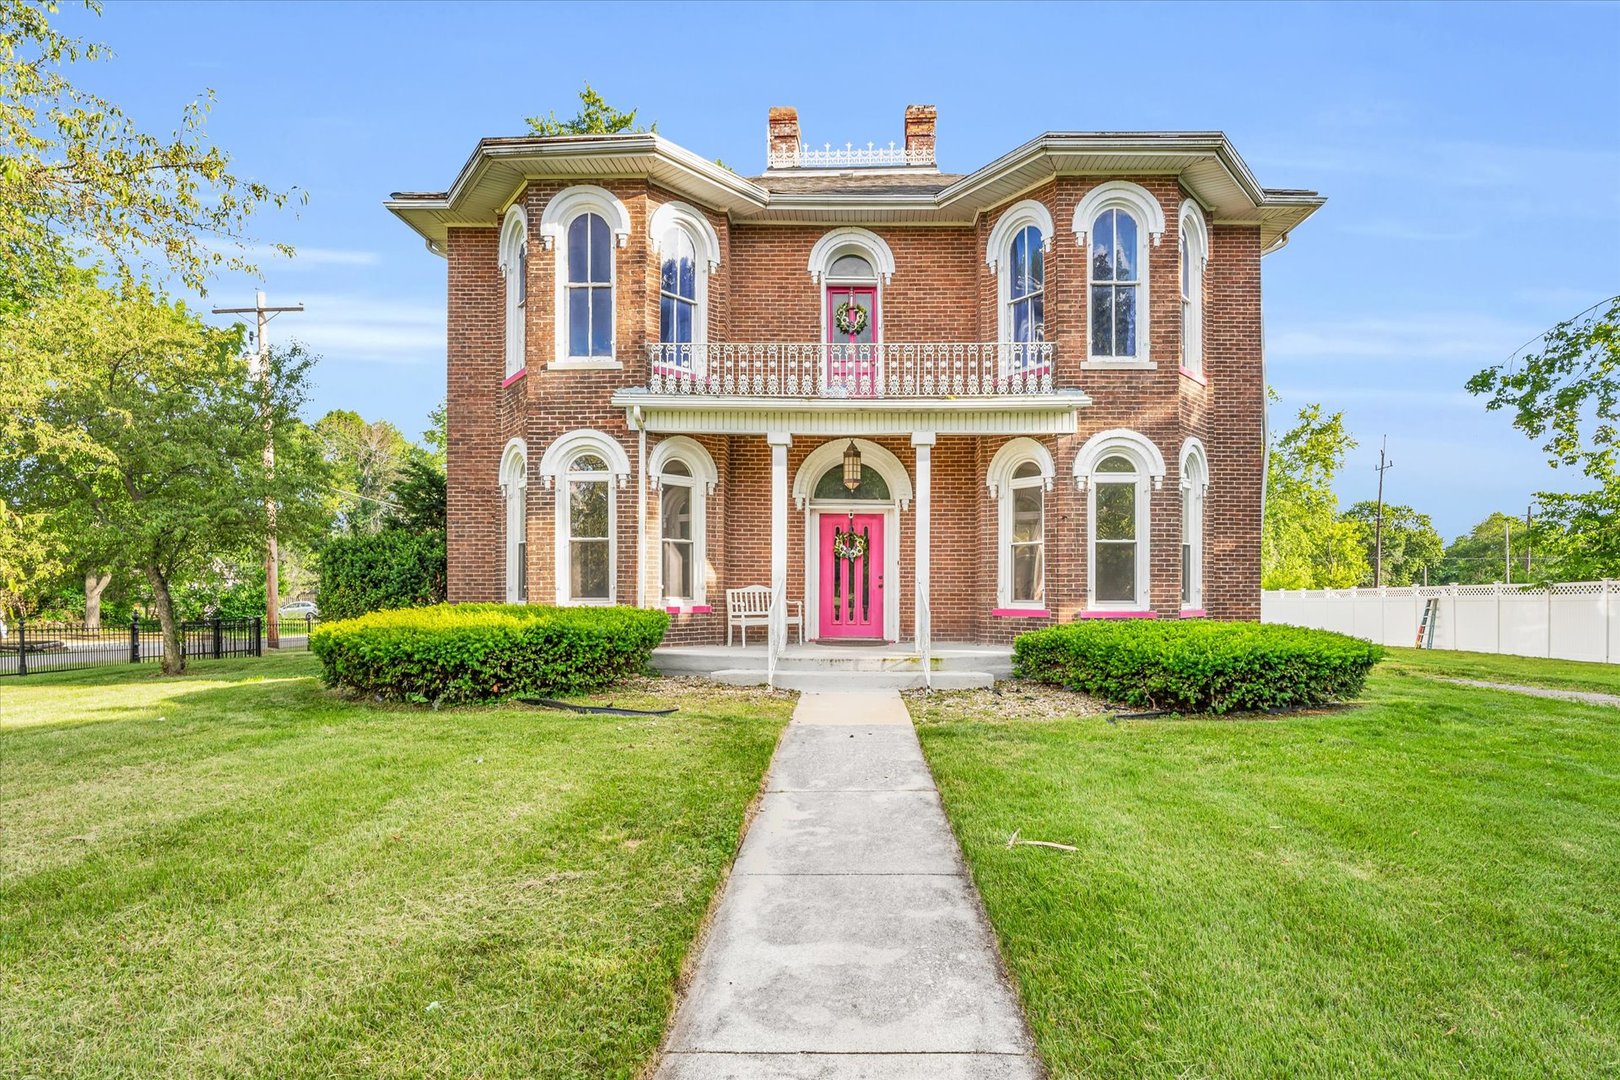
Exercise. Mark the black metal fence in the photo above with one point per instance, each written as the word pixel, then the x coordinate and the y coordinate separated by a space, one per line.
pixel 28 648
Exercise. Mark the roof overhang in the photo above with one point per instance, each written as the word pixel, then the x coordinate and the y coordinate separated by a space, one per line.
pixel 1204 161
pixel 1010 414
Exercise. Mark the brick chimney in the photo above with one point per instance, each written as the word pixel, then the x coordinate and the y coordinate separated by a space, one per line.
pixel 782 137
pixel 919 134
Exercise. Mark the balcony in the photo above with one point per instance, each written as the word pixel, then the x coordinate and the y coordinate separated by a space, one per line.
pixel 842 372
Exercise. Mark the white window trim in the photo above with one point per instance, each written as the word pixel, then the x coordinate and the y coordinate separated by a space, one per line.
pixel 1141 205
pixel 553 468
pixel 1194 470
pixel 513 252
pixel 830 453
pixel 861 241
pixel 1141 452
pixel 706 249
pixel 565 536
pixel 1195 233
pixel 514 491
pixel 998 254
pixel 999 479
pixel 704 479
pixel 558 215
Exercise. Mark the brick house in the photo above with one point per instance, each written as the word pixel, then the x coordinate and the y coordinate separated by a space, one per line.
pixel 924 406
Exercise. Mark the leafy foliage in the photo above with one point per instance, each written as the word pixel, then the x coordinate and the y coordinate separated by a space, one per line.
pixel 420 499
pixel 1411 541
pixel 1568 395
pixel 366 458
pixel 391 568
pixel 475 652
pixel 595 117
pixel 1304 544
pixel 134 433
pixel 1197 666
pixel 75 170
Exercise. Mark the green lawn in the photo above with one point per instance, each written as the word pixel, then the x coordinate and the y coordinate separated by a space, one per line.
pixel 1522 670
pixel 1425 886
pixel 236 874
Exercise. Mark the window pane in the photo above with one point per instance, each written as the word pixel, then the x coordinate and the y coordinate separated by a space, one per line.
pixel 1186 270
pixel 522 279
pixel 668 275
pixel 676 467
pixel 601 322
pixel 678 569
pixel 1026 521
pixel 666 319
pixel 1116 511
pixel 601 250
pixel 588 463
pixel 677 513
pixel 1115 463
pixel 588 508
pixel 688 284
pixel 1020 321
pixel 1026 573
pixel 850 266
pixel 1019 265
pixel 578 253
pixel 1037 258
pixel 1116 572
pixel 1186 574
pixel 683 320
pixel 579 322
pixel 1037 317
pixel 1124 246
pixel 1125 320
pixel 831 485
pixel 1026 470
pixel 1102 247
pixel 588 576
pixel 1102 320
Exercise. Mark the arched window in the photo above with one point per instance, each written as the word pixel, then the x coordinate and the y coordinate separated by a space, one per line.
pixel 685 475
pixel 1115 220
pixel 677 290
pixel 1119 467
pixel 1019 476
pixel 590 288
pixel 1194 257
pixel 1194 483
pixel 1017 254
pixel 589 519
pixel 515 491
pixel 514 264
pixel 688 250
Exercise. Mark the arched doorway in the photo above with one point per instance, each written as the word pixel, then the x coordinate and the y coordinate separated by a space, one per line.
pixel 852 542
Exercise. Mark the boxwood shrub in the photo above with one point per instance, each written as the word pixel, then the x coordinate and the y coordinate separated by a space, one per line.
pixel 453 653
pixel 1197 666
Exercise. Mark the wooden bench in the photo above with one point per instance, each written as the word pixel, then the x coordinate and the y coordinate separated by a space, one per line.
pixel 751 606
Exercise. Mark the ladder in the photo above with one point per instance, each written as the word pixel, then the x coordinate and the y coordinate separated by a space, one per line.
pixel 1425 634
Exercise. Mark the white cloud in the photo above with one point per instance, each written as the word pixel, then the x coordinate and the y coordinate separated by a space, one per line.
pixel 270 258
pixel 364 329
pixel 1477 338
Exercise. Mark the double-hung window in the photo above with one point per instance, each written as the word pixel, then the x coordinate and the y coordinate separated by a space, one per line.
pixel 1118 534
pixel 677 511
pixel 589 518
pixel 1026 295
pixel 1026 537
pixel 677 300
pixel 1114 285
pixel 590 288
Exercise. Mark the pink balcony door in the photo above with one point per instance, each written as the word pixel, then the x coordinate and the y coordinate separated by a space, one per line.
pixel 851 589
pixel 852 357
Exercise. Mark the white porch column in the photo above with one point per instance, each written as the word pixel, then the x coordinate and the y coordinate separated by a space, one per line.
pixel 923 443
pixel 779 442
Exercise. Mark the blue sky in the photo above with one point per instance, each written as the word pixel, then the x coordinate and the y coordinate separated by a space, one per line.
pixel 1471 156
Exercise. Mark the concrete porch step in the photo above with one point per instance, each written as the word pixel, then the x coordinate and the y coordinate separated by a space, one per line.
pixel 897 659
pixel 814 680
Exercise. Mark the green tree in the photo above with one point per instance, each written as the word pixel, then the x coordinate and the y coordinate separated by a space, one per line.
pixel 1304 543
pixel 1410 541
pixel 437 435
pixel 1567 395
pixel 419 496
pixel 366 458
pixel 76 171
pixel 1476 557
pixel 135 434
pixel 595 117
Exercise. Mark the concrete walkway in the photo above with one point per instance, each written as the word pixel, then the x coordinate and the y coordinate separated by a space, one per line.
pixel 1585 697
pixel 848 941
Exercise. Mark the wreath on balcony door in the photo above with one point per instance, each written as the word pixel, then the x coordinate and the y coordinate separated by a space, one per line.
pixel 850 318
pixel 849 546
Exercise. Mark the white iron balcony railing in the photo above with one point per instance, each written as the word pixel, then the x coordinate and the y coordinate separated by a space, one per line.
pixel 814 370
pixel 803 156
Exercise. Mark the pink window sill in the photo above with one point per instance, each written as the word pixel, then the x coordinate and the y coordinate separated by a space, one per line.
pixel 1193 613
pixel 695 609
pixel 1196 376
pixel 1118 615
pixel 514 377
pixel 1021 613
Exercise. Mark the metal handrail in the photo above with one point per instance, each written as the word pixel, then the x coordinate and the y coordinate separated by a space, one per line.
pixel 873 370
pixel 925 639
pixel 774 627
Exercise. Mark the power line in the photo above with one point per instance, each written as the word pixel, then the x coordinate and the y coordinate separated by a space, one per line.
pixel 1514 355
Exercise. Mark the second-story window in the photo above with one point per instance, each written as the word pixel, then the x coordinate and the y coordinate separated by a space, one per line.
pixel 1194 256
pixel 1026 291
pixel 1114 284
pixel 677 297
pixel 590 288
pixel 514 264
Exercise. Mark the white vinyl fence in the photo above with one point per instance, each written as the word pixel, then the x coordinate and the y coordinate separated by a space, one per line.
pixel 1577 620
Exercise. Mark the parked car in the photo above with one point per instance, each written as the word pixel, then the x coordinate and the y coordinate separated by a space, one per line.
pixel 298 609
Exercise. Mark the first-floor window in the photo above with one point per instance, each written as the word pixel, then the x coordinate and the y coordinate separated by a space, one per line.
pixel 1118 533
pixel 676 528
pixel 514 482
pixel 1192 532
pixel 590 529
pixel 1026 535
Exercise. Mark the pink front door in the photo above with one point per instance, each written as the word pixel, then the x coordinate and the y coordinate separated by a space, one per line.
pixel 851 589
pixel 852 353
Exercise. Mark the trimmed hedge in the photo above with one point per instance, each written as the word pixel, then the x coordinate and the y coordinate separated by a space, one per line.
pixel 454 653
pixel 1197 666
pixel 391 568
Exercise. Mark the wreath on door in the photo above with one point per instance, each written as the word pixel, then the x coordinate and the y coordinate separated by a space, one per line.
pixel 850 317
pixel 849 545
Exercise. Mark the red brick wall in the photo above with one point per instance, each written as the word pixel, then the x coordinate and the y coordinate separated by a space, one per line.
pixel 941 291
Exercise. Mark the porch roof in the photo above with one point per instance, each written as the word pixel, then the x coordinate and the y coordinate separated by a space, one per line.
pixel 1054 413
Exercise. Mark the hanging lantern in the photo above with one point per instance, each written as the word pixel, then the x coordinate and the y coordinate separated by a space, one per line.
pixel 852 467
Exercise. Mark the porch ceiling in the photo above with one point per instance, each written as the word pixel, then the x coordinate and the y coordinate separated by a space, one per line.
pixel 684 414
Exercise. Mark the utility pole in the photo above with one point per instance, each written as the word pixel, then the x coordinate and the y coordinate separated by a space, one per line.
pixel 1529 526
pixel 1378 522
pixel 1507 550
pixel 259 366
